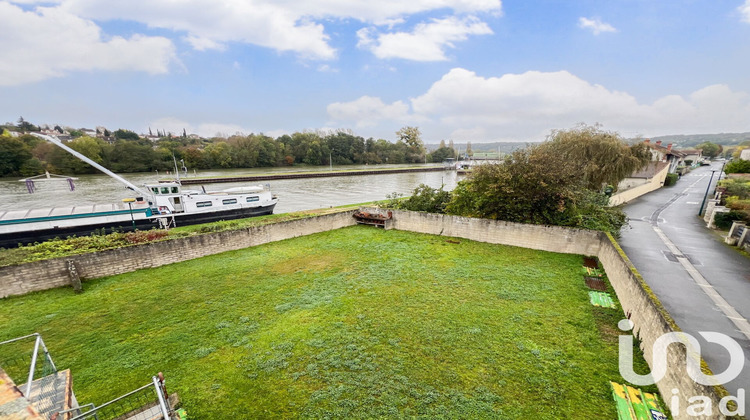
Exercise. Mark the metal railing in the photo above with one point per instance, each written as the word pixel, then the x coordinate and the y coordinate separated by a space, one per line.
pixel 132 403
pixel 16 359
pixel 48 365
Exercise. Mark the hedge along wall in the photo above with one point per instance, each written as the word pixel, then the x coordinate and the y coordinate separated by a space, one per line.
pixel 48 274
pixel 643 308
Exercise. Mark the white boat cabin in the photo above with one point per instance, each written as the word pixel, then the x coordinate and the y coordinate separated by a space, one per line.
pixel 169 197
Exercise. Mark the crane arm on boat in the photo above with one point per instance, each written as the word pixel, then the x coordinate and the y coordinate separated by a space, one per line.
pixel 81 156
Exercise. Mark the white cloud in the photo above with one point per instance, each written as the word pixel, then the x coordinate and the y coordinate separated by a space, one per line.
pixel 368 111
pixel 325 68
pixel 203 44
pixel 50 42
pixel 745 11
pixel 595 25
pixel 283 25
pixel 525 107
pixel 427 42
pixel 59 36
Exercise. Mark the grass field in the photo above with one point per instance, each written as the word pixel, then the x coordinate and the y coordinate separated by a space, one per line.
pixel 356 322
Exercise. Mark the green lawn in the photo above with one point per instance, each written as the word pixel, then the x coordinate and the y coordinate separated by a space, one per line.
pixel 356 322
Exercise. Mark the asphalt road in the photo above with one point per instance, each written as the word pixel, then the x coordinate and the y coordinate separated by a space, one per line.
pixel 706 290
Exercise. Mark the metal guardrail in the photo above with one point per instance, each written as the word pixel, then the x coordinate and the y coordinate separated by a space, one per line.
pixel 38 342
pixel 147 397
pixel 129 404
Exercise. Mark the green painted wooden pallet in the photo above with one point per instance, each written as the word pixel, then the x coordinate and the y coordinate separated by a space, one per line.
pixel 634 404
pixel 601 299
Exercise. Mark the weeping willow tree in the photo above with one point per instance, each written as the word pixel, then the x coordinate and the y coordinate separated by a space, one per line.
pixel 558 182
pixel 600 157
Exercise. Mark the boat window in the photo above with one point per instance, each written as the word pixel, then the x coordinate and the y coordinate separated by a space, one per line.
pixel 175 190
pixel 165 190
pixel 155 190
pixel 204 204
pixel 229 201
pixel 253 198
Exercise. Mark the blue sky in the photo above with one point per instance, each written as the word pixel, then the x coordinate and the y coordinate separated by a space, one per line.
pixel 467 70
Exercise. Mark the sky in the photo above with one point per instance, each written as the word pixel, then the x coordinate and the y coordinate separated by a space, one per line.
pixel 462 70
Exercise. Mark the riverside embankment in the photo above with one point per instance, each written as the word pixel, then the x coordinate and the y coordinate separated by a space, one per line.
pixel 304 175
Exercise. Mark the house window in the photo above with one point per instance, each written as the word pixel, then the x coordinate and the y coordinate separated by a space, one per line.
pixel 229 201
pixel 253 198
pixel 204 204
pixel 165 190
pixel 175 190
pixel 155 190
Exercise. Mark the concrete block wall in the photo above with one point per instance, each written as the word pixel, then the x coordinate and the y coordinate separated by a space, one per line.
pixel 643 308
pixel 626 193
pixel 650 319
pixel 545 238
pixel 48 274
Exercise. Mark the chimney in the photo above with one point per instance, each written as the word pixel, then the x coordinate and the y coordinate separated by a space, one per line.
pixel 647 141
pixel 658 142
pixel 669 146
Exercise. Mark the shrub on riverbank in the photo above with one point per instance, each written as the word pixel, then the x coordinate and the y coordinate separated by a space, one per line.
pixel 558 182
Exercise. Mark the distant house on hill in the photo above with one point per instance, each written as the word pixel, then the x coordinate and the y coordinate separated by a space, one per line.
pixel 693 155
pixel 672 157
pixel 89 132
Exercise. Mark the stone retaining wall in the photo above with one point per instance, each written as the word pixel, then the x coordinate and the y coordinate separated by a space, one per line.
pixel 48 274
pixel 641 306
pixel 652 184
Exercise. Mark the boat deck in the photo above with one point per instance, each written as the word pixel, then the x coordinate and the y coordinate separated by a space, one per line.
pixel 16 215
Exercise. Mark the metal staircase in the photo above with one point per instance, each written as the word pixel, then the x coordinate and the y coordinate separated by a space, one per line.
pixel 50 392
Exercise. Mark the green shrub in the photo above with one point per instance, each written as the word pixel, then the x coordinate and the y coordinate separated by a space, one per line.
pixel 737 187
pixel 735 203
pixel 738 166
pixel 425 199
pixel 670 180
pixel 724 221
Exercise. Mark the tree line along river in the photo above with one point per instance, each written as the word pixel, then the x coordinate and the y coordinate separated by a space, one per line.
pixel 294 194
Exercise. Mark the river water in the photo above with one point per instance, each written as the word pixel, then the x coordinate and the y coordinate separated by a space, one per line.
pixel 294 194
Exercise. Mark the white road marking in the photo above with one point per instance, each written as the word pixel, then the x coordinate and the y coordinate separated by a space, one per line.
pixel 735 317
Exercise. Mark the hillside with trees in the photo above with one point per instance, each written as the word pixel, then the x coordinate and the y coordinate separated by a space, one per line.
pixel 692 140
pixel 125 151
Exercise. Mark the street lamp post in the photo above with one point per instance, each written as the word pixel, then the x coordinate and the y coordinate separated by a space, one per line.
pixel 721 173
pixel 703 203
pixel 330 159
pixel 130 206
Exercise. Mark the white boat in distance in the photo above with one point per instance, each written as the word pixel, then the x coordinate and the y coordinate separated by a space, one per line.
pixel 157 205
